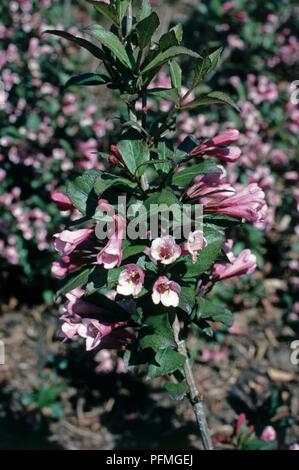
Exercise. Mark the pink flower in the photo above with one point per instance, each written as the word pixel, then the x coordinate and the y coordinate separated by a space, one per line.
pixel 227 6
pixel 241 423
pixel 111 254
pixel 78 306
pixel 195 243
pixel 228 154
pixel 166 292
pixel 70 326
pixel 227 137
pixel 131 280
pixel 209 184
pixel 2 174
pixel 62 201
pixel 165 250
pixel 294 446
pixel 93 331
pixel 244 263
pixel 67 241
pixel 268 434
pixel 248 203
pixel 60 268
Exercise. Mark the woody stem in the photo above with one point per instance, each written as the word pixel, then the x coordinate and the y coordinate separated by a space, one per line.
pixel 195 398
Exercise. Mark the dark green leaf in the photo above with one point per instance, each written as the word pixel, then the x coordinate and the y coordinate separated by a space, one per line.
pixel 176 391
pixel 157 334
pixel 112 277
pixel 165 150
pixel 185 177
pixel 164 197
pixel 165 56
pixel 134 154
pixel 208 255
pixel 214 97
pixel 176 75
pixel 88 79
pixel 169 94
pixel 187 299
pixel 207 65
pixel 133 250
pixel 97 279
pixel 146 28
pixel 172 38
pixel 81 193
pixel 207 309
pixel 110 41
pixel 221 220
pixel 105 181
pixel 166 361
pixel 76 279
pixel 105 10
pixel 96 51
pixel 121 8
pixel 145 10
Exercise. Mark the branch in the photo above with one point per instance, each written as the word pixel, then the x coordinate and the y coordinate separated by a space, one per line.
pixel 196 399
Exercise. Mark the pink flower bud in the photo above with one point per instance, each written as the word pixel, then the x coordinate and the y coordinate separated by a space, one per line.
pixel 228 154
pixel 67 241
pixel 62 201
pixel 225 138
pixel 244 263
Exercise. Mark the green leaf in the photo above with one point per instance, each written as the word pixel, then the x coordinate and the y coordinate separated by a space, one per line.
pixel 81 193
pixel 146 28
pixel 176 391
pixel 97 279
pixel 157 333
pixel 169 94
pixel 206 66
pixel 208 255
pixel 221 220
pixel 88 79
pixel 185 177
pixel 187 299
pixel 165 152
pixel 258 444
pixel 75 280
pixel 112 276
pixel 214 311
pixel 164 197
pixel 165 56
pixel 105 181
pixel 134 153
pixel 110 41
pixel 176 75
pixel 133 250
pixel 145 10
pixel 49 393
pixel 167 361
pixel 105 10
pixel 214 97
pixel 121 8
pixel 96 51
pixel 173 37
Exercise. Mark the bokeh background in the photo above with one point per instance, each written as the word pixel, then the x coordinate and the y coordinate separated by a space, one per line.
pixel 54 395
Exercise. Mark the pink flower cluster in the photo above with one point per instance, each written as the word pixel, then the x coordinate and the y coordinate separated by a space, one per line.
pixel 48 138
